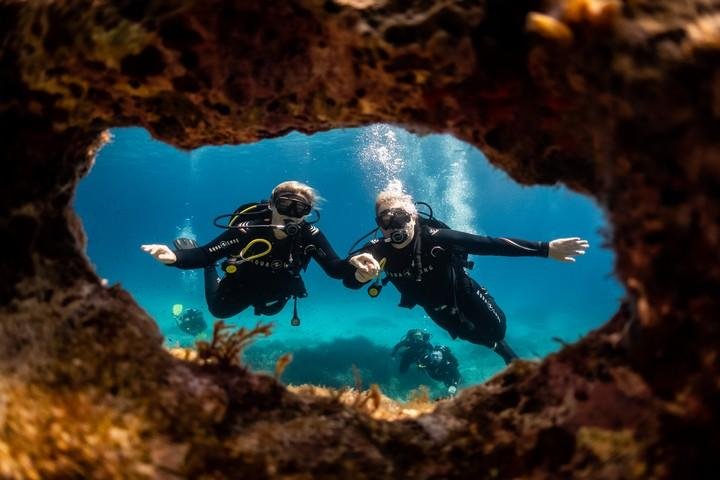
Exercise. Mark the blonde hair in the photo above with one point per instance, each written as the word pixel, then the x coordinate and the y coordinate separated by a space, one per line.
pixel 297 188
pixel 395 196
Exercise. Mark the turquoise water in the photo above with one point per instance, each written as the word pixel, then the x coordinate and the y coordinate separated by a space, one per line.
pixel 143 191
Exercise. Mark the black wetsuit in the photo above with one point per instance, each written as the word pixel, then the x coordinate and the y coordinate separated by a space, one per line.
pixel 450 297
pixel 266 282
pixel 445 370
pixel 413 349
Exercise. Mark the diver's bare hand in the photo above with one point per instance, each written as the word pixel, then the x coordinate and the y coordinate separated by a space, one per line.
pixel 565 249
pixel 366 267
pixel 162 253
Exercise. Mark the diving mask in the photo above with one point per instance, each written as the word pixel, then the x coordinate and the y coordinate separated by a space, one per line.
pixel 397 219
pixel 291 205
pixel 393 218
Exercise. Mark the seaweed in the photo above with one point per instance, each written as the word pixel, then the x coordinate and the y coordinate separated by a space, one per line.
pixel 282 362
pixel 363 398
pixel 419 396
pixel 225 348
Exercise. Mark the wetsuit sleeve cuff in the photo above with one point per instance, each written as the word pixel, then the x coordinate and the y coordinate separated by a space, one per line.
pixel 351 282
pixel 181 256
pixel 545 249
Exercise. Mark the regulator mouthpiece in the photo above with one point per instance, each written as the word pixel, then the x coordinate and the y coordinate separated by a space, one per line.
pixel 398 236
pixel 291 229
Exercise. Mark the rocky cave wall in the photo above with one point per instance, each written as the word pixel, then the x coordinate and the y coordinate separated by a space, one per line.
pixel 617 99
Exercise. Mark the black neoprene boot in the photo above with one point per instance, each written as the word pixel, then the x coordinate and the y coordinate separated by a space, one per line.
pixel 504 350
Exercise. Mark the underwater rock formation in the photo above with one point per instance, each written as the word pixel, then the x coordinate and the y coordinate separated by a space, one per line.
pixel 617 99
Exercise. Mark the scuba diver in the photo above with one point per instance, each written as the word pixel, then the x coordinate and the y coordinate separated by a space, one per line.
pixel 441 365
pixel 426 262
pixel 266 246
pixel 414 345
pixel 189 320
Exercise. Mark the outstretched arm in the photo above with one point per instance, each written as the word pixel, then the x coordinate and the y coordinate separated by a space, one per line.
pixel 482 245
pixel 563 249
pixel 224 245
pixel 196 257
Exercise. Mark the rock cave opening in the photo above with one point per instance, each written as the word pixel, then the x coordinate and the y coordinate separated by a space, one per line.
pixel 141 190
pixel 615 99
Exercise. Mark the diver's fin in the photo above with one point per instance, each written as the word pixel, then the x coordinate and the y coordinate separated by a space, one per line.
pixel 503 349
pixel 183 243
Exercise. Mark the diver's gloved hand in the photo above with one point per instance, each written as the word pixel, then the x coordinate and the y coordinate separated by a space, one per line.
pixel 366 267
pixel 565 249
pixel 162 253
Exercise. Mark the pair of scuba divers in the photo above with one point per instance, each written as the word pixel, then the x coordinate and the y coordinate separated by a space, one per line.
pixel 267 245
pixel 438 362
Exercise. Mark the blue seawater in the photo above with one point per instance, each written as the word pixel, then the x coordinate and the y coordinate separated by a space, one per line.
pixel 143 191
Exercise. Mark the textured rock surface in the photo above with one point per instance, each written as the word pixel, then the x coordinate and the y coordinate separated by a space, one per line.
pixel 618 99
